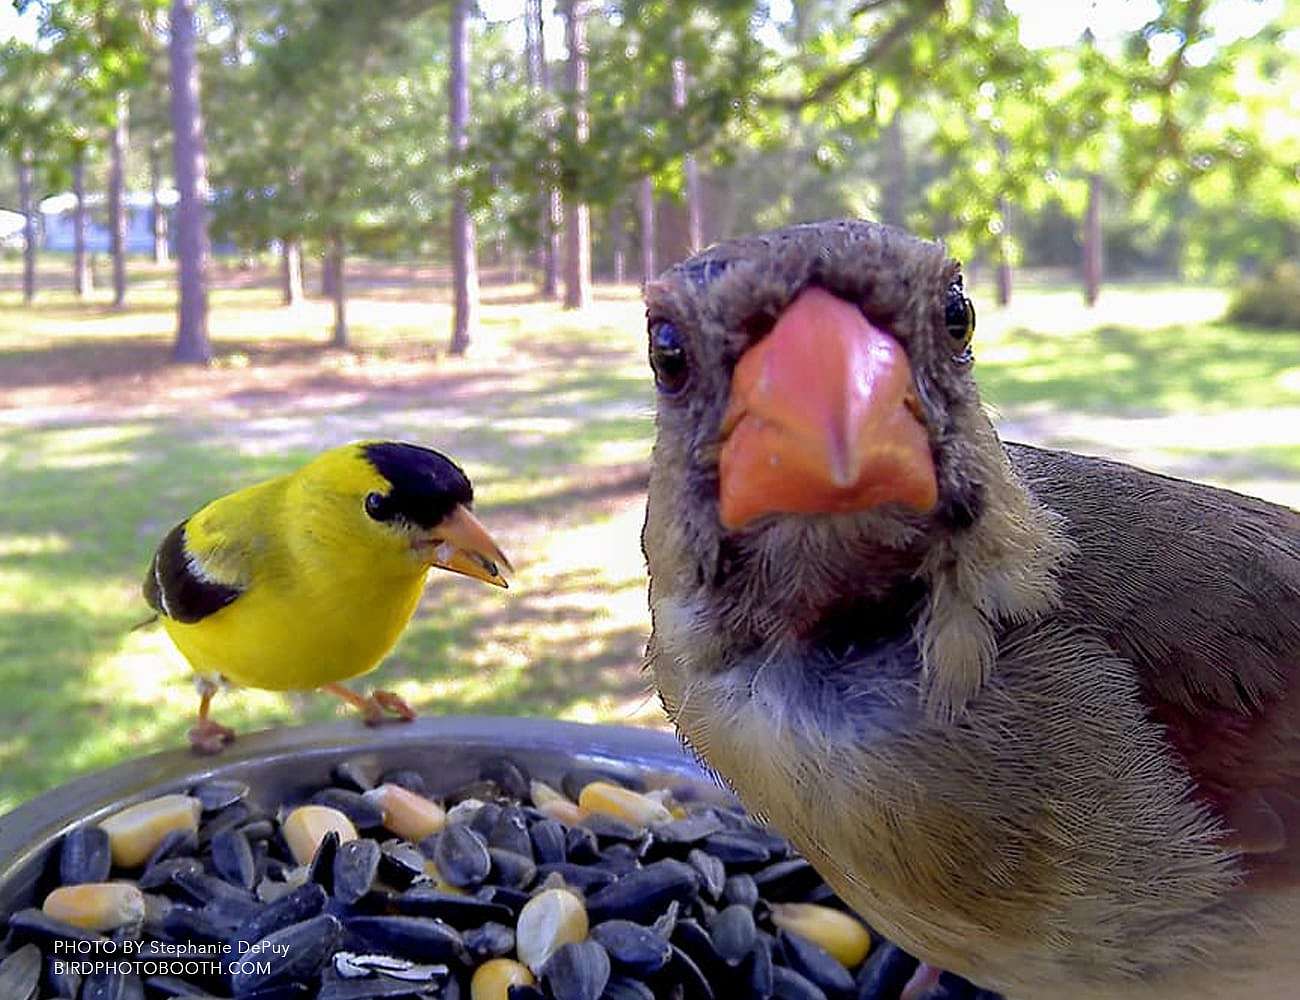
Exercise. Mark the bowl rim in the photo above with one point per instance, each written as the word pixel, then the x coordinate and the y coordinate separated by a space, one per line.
pixel 28 832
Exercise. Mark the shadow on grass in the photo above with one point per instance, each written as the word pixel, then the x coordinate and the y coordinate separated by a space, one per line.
pixel 1203 367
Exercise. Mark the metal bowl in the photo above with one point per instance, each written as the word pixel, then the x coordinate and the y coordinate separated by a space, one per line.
pixel 285 765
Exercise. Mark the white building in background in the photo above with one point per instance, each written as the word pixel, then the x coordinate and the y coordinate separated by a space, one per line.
pixel 11 228
pixel 58 219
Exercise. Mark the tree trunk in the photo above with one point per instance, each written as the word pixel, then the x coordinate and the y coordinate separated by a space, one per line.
pixel 291 270
pixel 646 208
pixel 1004 254
pixel 616 234
pixel 464 259
pixel 548 209
pixel 338 265
pixel 191 172
pixel 83 281
pixel 327 275
pixel 159 217
pixel 117 201
pixel 894 197
pixel 25 181
pixel 577 217
pixel 691 170
pixel 1092 261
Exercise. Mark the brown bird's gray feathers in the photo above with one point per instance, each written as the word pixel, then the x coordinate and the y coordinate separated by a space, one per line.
pixel 1044 730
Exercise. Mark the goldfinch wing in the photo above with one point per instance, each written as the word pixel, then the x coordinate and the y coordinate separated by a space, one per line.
pixel 187 583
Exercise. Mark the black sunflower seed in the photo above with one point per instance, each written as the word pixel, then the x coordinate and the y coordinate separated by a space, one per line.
pixel 84 856
pixel 462 857
pixel 412 781
pixel 20 973
pixel 292 953
pixel 548 838
pixel 577 971
pixel 589 880
pixel 510 832
pixel 789 985
pixel 507 775
pixel 419 938
pixel 400 864
pixel 712 872
pixel 511 869
pixel 636 950
pixel 733 933
pixel 814 963
pixel 786 881
pixel 623 988
pixel 300 905
pixel 364 813
pixel 643 894
pixel 885 972
pixel 232 858
pixel 216 794
pixel 355 866
pixel 491 940
pixel 457 911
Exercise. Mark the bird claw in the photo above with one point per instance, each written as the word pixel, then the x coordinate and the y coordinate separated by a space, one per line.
pixel 208 737
pixel 381 705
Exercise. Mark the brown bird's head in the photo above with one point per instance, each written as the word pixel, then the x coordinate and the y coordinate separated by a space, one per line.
pixel 823 467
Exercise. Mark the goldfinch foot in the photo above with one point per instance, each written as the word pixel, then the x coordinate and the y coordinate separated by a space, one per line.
pixel 378 708
pixel 208 737
pixel 393 704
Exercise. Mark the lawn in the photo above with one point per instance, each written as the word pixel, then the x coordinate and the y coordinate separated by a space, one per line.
pixel 103 446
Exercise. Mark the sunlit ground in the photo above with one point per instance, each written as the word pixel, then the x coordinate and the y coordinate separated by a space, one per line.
pixel 103 446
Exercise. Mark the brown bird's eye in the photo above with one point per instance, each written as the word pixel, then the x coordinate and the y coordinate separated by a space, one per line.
pixel 377 507
pixel 668 357
pixel 959 317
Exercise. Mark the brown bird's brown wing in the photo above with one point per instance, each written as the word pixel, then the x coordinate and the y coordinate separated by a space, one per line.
pixel 1200 589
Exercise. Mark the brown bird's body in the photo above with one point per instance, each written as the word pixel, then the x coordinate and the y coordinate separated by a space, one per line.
pixel 1035 715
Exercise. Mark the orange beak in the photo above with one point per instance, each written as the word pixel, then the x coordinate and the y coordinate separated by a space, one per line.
pixel 461 544
pixel 823 418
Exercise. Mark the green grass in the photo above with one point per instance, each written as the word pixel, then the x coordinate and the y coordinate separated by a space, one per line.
pixel 103 446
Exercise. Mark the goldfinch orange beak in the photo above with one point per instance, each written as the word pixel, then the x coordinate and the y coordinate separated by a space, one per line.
pixel 823 418
pixel 461 544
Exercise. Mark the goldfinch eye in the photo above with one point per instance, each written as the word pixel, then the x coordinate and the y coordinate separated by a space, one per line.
pixel 377 507
pixel 668 358
pixel 959 318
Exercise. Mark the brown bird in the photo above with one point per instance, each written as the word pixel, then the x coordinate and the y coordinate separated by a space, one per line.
pixel 1035 715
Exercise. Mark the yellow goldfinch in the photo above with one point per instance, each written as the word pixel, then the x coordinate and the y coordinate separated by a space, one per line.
pixel 309 578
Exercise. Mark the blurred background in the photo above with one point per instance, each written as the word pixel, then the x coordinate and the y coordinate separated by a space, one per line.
pixel 235 232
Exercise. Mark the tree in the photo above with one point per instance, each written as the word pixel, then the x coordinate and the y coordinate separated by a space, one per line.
pixel 28 210
pixel 190 164
pixel 117 199
pixel 464 263
pixel 549 208
pixel 82 278
pixel 109 44
pixel 29 131
pixel 577 217
pixel 645 201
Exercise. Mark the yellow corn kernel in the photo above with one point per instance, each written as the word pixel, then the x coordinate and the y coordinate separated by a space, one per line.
pixel 96 906
pixel 492 980
pixel 134 832
pixel 412 817
pixel 621 803
pixel 555 805
pixel 847 940
pixel 548 921
pixel 305 827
